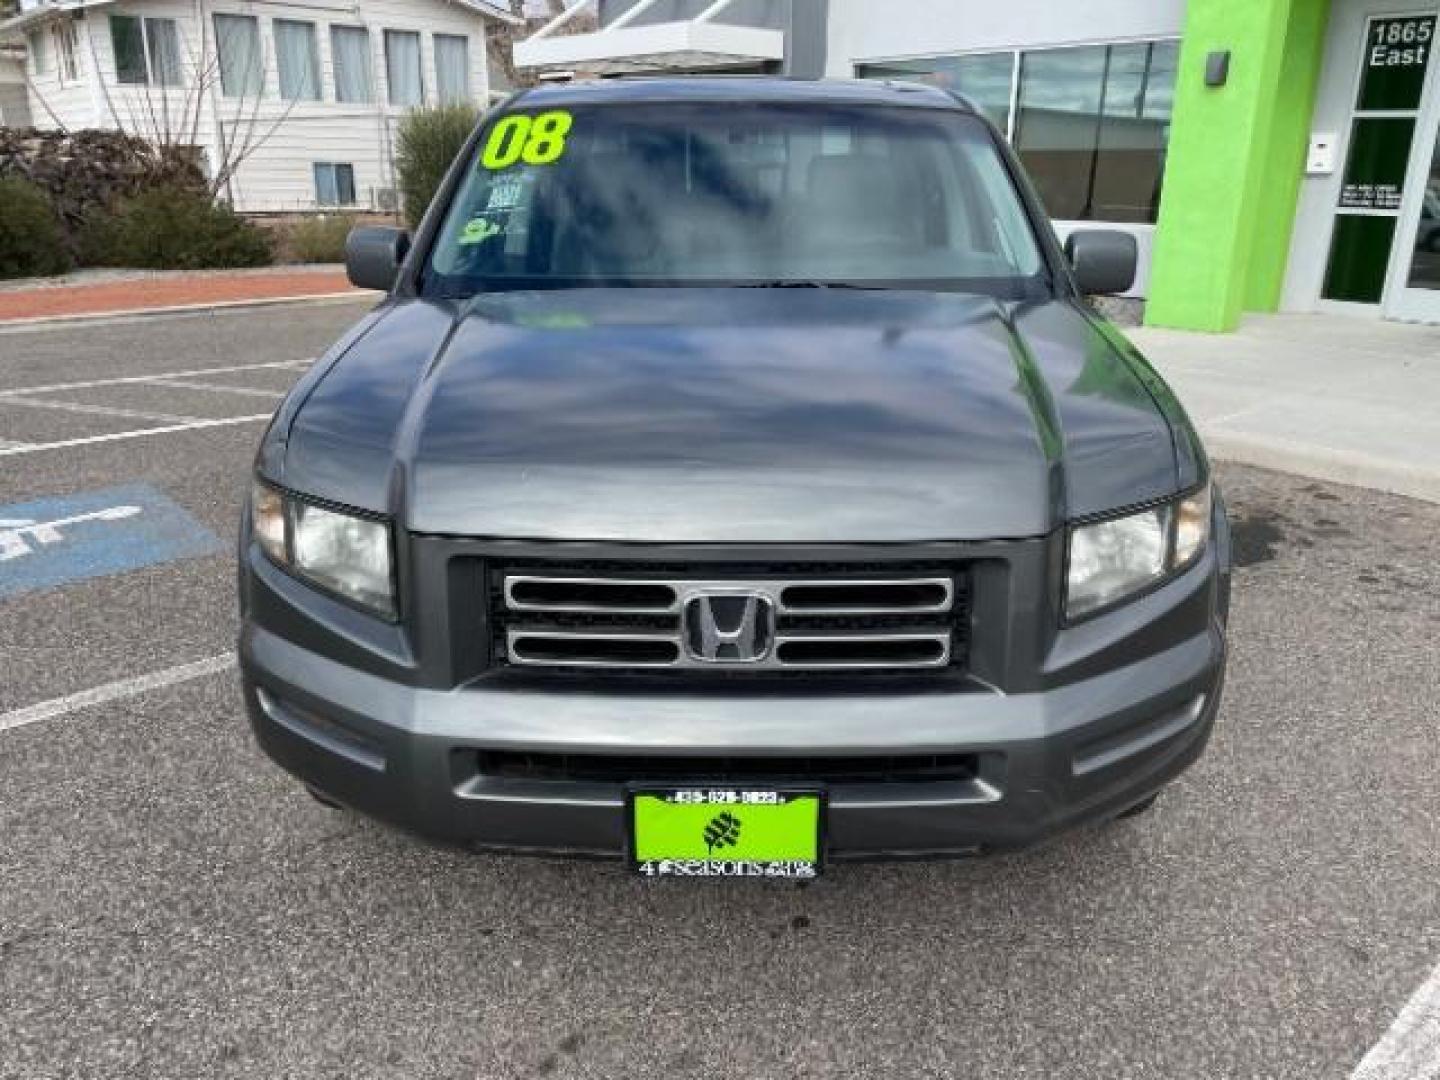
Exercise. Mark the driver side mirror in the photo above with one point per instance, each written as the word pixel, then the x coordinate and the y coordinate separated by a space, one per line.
pixel 373 256
pixel 1103 260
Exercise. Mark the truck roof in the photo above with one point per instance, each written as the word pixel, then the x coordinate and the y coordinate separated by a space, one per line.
pixel 764 89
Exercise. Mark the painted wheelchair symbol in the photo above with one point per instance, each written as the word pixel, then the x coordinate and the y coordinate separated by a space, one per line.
pixel 21 537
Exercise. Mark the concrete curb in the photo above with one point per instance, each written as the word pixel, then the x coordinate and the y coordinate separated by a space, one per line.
pixel 41 321
pixel 1322 463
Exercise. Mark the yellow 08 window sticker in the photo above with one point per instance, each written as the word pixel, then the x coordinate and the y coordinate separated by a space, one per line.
pixel 535 140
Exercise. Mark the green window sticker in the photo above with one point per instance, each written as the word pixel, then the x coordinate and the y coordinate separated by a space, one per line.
pixel 535 140
pixel 478 230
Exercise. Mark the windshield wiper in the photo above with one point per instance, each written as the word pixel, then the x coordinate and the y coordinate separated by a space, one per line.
pixel 801 284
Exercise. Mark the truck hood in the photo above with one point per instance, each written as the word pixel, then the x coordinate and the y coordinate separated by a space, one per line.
pixel 729 416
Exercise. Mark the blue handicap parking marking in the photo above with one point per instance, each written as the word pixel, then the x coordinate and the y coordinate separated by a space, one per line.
pixel 93 534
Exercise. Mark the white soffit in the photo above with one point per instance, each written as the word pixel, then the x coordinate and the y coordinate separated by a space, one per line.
pixel 676 46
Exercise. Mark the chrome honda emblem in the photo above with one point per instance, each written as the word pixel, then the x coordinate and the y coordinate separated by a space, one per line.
pixel 729 628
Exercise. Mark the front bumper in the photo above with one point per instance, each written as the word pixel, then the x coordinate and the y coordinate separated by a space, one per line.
pixel 1065 726
pixel 1050 760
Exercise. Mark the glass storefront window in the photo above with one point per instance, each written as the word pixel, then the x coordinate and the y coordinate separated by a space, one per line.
pixel 1091 125
pixel 985 78
pixel 1092 128
pixel 1057 127
pixel 1130 157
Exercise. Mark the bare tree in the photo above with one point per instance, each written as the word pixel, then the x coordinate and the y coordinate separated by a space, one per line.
pixel 170 116
pixel 500 47
pixel 501 39
pixel 36 93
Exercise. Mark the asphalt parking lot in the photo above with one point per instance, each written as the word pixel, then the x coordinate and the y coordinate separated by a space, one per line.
pixel 171 905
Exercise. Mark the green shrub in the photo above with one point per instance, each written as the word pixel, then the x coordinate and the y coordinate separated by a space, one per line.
pixel 174 229
pixel 320 239
pixel 428 141
pixel 86 172
pixel 32 242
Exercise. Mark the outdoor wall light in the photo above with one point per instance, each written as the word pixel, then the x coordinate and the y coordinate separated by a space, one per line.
pixel 1217 67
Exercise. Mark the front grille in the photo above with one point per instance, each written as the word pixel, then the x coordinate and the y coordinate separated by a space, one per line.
pixel 620 769
pixel 730 619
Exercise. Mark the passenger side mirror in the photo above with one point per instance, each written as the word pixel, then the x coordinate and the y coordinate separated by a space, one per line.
pixel 1103 260
pixel 373 256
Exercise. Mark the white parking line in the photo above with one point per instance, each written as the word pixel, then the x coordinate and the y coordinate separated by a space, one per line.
pixel 130 380
pixel 4 445
pixel 221 388
pixel 1410 1050
pixel 115 691
pixel 96 410
pixel 121 436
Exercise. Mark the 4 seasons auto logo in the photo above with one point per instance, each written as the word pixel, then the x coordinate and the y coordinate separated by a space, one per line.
pixel 723 831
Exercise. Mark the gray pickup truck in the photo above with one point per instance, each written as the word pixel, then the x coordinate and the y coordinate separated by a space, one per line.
pixel 735 479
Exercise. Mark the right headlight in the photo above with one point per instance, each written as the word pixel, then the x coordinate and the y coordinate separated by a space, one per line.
pixel 344 553
pixel 1111 560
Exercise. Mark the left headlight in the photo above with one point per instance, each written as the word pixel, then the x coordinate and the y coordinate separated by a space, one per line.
pixel 344 553
pixel 1111 560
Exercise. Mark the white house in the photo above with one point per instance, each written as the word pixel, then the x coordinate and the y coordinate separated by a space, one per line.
pixel 307 92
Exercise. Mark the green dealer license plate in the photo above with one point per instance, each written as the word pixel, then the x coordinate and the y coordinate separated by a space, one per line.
pixel 726 832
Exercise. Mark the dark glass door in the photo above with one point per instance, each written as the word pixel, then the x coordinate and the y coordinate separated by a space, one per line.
pixel 1382 135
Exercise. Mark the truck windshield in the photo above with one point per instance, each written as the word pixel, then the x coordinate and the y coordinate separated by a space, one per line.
pixel 740 195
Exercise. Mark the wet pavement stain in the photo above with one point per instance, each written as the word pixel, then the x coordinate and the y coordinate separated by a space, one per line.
pixel 1255 538
pixel 569 1046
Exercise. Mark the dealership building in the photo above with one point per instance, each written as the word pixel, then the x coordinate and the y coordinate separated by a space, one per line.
pixel 1268 155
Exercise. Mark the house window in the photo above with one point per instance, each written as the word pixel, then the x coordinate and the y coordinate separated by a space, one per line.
pixel 39 57
pixel 1091 123
pixel 297 60
pixel 67 51
pixel 237 44
pixel 334 184
pixel 162 43
pixel 354 69
pixel 127 40
pixel 452 68
pixel 147 51
pixel 402 68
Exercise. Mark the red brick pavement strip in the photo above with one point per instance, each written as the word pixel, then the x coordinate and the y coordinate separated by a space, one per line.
pixel 155 294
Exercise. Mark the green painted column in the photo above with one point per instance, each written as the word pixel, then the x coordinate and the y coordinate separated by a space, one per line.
pixel 1235 159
